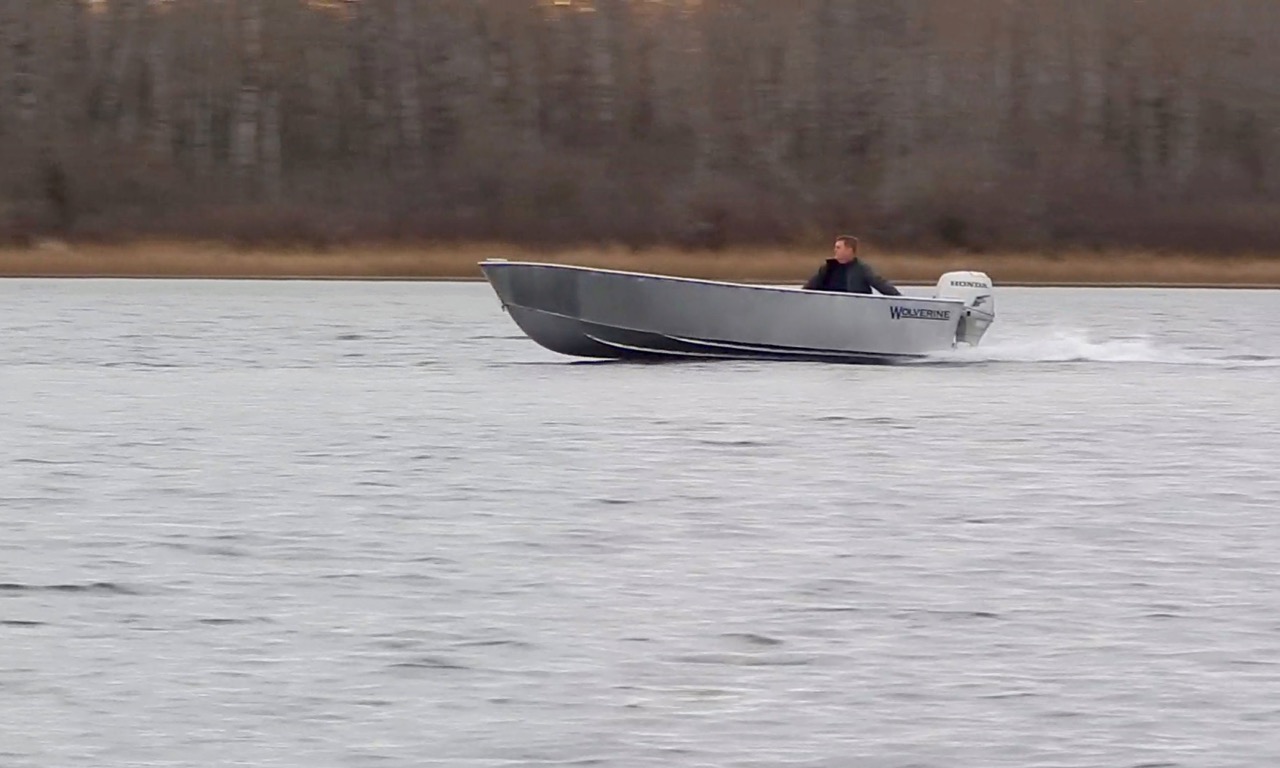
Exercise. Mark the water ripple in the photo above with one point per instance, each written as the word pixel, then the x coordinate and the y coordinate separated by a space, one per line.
pixel 343 524
pixel 96 588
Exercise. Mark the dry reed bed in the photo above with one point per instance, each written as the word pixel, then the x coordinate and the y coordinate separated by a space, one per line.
pixel 167 259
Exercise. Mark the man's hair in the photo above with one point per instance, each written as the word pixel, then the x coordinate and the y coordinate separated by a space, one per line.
pixel 848 240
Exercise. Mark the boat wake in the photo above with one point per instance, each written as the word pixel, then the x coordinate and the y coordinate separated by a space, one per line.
pixel 1077 347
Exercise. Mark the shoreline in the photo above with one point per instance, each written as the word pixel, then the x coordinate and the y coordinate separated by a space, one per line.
pixel 458 263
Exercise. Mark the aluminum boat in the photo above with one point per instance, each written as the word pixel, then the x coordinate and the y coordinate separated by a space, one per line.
pixel 604 313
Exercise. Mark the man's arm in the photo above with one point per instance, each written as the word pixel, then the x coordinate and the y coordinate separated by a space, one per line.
pixel 879 283
pixel 815 282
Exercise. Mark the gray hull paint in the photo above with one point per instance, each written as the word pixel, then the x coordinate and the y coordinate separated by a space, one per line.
pixel 599 313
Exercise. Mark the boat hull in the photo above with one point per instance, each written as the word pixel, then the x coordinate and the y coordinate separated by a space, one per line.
pixel 597 313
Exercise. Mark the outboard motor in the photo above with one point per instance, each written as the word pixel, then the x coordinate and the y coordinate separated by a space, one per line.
pixel 977 293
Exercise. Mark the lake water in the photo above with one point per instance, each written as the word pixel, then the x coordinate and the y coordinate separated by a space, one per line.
pixel 371 524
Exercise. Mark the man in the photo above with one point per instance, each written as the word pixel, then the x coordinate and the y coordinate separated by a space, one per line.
pixel 846 272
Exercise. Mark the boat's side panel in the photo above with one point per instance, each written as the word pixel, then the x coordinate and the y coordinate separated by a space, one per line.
pixel 708 314
pixel 575 337
pixel 561 334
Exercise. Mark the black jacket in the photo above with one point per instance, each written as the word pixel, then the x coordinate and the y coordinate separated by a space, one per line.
pixel 854 277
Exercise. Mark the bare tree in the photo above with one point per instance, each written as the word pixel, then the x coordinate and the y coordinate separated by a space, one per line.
pixel 973 122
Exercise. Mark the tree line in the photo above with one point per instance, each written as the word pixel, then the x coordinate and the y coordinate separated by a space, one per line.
pixel 957 123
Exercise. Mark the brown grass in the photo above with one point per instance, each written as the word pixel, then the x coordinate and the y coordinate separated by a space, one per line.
pixel 398 261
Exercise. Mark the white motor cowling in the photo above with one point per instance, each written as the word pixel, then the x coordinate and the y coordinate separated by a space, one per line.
pixel 978 294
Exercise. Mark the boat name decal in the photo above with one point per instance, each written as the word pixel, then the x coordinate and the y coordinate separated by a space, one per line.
pixel 918 313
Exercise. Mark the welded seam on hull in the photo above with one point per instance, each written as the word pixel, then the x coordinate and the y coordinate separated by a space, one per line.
pixel 714 350
pixel 779 350
pixel 651 351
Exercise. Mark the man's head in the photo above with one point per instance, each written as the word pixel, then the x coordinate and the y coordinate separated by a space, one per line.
pixel 846 249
